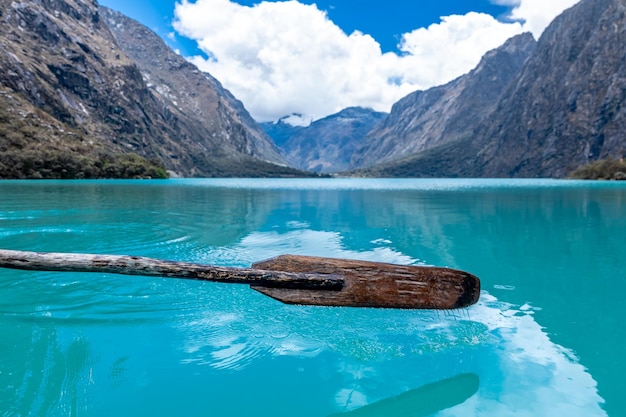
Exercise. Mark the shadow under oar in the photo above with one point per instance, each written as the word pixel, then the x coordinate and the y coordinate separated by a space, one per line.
pixel 423 401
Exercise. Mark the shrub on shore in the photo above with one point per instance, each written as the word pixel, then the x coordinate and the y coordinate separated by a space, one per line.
pixel 603 169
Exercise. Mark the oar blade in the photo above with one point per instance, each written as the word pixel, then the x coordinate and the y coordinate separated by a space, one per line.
pixel 375 284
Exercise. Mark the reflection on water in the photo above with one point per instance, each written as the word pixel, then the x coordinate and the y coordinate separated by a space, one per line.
pixel 90 344
pixel 51 374
pixel 379 354
pixel 423 401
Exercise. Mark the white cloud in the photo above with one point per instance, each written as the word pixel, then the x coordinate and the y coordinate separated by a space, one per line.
pixel 443 51
pixel 287 57
pixel 537 14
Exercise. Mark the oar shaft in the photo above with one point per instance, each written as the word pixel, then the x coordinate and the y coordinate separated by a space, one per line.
pixel 137 265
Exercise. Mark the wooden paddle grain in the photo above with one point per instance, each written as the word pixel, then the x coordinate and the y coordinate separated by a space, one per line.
pixel 376 284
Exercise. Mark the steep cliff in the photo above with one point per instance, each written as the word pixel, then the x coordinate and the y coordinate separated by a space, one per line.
pixel 60 62
pixel 194 95
pixel 444 114
pixel 565 107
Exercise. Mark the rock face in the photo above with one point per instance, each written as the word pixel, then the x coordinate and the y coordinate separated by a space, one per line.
pixel 190 92
pixel 567 106
pixel 60 62
pixel 563 109
pixel 444 114
pixel 328 144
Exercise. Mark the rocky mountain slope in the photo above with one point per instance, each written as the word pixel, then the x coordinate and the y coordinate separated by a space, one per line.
pixel 33 144
pixel 563 109
pixel 567 106
pixel 80 102
pixel 328 144
pixel 187 90
pixel 447 113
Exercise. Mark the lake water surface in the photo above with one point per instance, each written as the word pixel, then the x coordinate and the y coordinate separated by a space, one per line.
pixel 546 338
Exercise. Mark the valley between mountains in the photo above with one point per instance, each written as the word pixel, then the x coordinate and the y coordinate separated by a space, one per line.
pixel 86 92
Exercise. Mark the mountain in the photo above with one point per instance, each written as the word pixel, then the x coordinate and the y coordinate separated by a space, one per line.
pixel 76 102
pixel 326 145
pixel 447 113
pixel 563 109
pixel 567 106
pixel 281 130
pixel 189 91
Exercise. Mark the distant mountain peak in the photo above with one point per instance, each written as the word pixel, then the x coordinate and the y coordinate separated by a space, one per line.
pixel 325 145
pixel 296 120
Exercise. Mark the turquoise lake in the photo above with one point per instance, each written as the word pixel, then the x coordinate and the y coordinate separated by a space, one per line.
pixel 546 338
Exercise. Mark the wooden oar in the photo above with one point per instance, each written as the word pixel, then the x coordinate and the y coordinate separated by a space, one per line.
pixel 376 284
pixel 289 278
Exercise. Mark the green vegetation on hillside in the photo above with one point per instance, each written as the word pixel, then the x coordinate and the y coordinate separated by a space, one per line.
pixel 249 167
pixel 34 146
pixel 52 164
pixel 604 169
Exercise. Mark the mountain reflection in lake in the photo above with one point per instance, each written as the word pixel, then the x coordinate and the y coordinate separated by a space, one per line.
pixel 549 255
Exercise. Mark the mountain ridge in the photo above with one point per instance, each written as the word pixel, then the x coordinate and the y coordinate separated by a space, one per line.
pixel 61 64
pixel 326 145
pixel 563 109
pixel 443 114
pixel 82 85
pixel 171 77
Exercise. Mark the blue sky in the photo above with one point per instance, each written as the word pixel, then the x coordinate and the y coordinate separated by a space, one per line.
pixel 316 58
pixel 385 20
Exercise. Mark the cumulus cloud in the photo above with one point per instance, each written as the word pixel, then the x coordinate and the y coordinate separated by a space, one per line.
pixel 537 14
pixel 287 57
pixel 443 51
